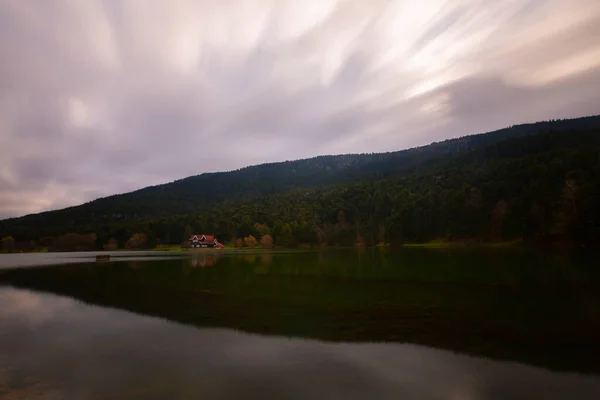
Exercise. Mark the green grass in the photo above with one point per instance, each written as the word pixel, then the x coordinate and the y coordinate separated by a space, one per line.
pixel 168 247
pixel 435 244
pixel 36 250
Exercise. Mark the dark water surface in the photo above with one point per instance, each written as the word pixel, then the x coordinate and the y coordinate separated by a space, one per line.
pixel 345 324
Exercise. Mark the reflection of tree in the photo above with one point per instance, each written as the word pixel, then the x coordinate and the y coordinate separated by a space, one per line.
pixel 266 258
pixel 261 269
pixel 479 303
pixel 262 266
pixel 204 260
pixel 251 259
pixel 136 264
pixel 186 267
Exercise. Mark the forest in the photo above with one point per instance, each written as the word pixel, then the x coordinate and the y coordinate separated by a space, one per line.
pixel 538 183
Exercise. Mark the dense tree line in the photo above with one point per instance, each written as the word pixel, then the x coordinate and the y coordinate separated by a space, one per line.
pixel 539 188
pixel 508 184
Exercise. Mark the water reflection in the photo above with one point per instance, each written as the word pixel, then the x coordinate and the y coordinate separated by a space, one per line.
pixel 54 347
pixel 204 260
pixel 23 260
pixel 535 309
pixel 209 259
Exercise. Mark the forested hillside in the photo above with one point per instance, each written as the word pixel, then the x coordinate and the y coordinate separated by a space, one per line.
pixel 531 181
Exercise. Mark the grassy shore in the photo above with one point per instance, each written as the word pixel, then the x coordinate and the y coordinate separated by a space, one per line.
pixel 434 244
pixel 36 250
pixel 168 247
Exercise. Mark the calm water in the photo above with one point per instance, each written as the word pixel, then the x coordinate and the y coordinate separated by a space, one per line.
pixel 330 324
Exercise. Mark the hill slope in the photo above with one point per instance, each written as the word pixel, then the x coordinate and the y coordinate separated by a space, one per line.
pixel 471 164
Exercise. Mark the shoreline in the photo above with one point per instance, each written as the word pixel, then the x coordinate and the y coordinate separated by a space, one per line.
pixel 518 244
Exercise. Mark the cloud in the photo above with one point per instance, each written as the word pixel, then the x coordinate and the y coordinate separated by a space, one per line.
pixel 100 97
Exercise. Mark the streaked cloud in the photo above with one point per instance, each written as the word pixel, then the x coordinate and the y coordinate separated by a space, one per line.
pixel 99 97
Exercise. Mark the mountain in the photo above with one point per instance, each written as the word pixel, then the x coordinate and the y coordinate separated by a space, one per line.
pixel 457 188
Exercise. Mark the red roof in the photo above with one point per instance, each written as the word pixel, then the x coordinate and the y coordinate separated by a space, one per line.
pixel 208 238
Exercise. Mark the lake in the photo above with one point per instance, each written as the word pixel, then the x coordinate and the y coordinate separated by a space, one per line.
pixel 336 323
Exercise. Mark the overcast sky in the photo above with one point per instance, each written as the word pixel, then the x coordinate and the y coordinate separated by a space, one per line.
pixel 102 96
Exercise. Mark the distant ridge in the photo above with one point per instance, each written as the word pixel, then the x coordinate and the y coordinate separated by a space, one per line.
pixel 201 193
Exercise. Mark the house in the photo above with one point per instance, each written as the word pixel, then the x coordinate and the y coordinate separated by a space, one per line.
pixel 205 241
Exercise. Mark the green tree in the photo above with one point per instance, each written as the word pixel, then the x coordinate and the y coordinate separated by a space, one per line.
pixel 188 232
pixel 284 236
pixel 8 244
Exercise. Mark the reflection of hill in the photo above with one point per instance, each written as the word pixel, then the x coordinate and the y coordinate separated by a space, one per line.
pixel 442 301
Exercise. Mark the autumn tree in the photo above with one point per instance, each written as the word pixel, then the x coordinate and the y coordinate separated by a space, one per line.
pixel 262 229
pixel 266 241
pixel 74 242
pixel 112 244
pixel 136 241
pixel 46 241
pixel 250 241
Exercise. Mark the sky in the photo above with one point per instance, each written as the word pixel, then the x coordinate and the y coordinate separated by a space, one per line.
pixel 99 97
